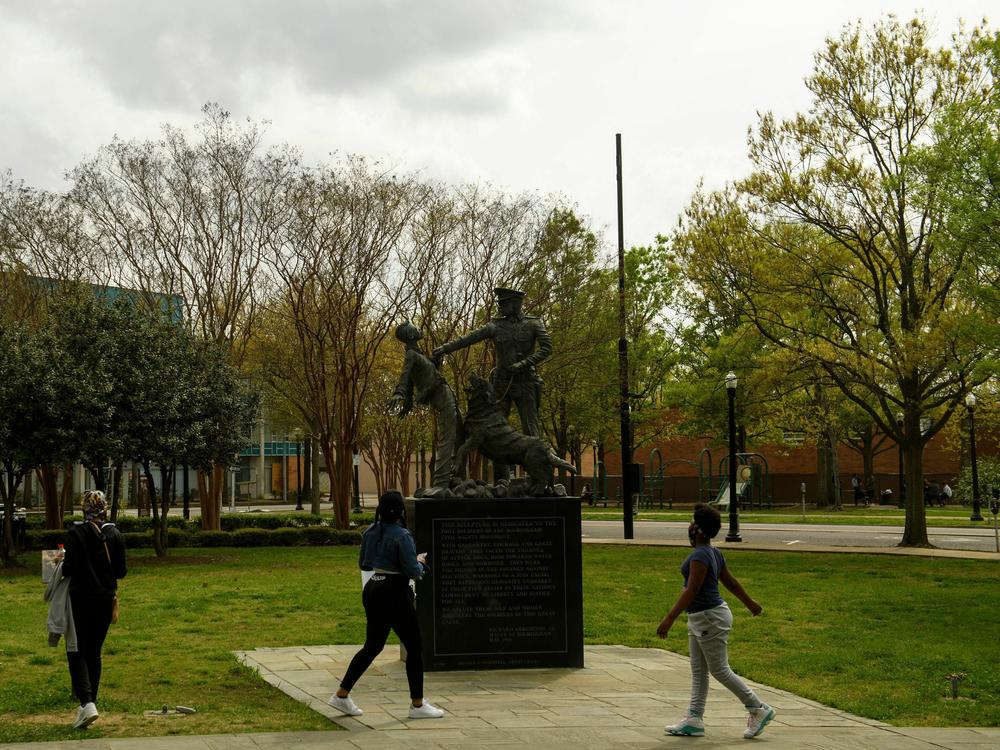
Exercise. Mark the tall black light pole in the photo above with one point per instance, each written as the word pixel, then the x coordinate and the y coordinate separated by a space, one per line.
pixel 970 402
pixel 629 473
pixel 734 511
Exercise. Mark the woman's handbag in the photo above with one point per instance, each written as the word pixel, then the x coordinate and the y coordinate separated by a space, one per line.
pixel 114 602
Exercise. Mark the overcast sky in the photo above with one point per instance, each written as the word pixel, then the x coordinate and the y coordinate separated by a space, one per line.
pixel 526 95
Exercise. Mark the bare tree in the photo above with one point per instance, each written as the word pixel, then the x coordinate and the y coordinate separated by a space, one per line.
pixel 189 223
pixel 338 274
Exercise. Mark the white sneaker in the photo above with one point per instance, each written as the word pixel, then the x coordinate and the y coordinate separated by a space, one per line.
pixel 689 726
pixel 425 711
pixel 345 705
pixel 758 719
pixel 85 716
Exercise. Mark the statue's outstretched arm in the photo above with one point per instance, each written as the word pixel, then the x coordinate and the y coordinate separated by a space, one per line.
pixel 480 334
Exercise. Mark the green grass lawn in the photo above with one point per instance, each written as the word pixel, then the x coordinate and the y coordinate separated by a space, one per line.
pixel 885 515
pixel 874 635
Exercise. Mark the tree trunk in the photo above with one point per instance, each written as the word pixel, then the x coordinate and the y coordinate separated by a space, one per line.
pixel 159 544
pixel 66 501
pixel 832 440
pixel 8 491
pixel 915 531
pixel 822 473
pixel 210 497
pixel 27 490
pixel 314 497
pixel 48 480
pixel 307 471
pixel 867 455
pixel 340 487
pixel 186 488
pixel 116 491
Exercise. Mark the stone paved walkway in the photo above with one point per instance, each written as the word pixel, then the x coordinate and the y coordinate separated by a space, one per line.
pixel 621 699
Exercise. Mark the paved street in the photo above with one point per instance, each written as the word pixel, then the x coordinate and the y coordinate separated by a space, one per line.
pixel 789 535
pixel 793 535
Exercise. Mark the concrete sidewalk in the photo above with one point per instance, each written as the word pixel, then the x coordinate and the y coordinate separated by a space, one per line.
pixel 621 699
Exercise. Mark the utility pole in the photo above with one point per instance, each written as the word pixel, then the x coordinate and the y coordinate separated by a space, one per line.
pixel 629 474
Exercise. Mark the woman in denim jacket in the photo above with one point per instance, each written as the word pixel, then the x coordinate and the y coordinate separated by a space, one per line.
pixel 388 551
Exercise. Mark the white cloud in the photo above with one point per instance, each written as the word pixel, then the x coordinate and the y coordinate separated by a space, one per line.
pixel 526 95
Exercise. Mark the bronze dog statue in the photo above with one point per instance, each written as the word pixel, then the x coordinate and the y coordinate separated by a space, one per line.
pixel 487 430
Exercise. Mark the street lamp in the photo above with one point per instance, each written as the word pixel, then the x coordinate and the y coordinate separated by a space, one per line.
pixel 593 489
pixel 298 468
pixel 902 479
pixel 970 403
pixel 734 512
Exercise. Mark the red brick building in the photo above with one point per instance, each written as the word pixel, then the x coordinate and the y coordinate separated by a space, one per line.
pixel 783 468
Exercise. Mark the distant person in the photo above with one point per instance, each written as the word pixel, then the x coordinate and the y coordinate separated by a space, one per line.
pixel 856 486
pixel 709 622
pixel 945 497
pixel 388 551
pixel 869 490
pixel 586 494
pixel 932 494
pixel 94 562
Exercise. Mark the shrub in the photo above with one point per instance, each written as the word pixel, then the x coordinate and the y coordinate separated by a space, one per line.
pixel 250 538
pixel 212 539
pixel 44 538
pixel 137 539
pixel 178 538
pixel 349 537
pixel 286 537
pixel 319 535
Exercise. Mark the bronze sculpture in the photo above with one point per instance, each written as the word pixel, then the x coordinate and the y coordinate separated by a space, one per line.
pixel 515 381
pixel 421 382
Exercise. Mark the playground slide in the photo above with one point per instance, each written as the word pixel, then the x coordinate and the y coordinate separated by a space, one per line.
pixel 722 499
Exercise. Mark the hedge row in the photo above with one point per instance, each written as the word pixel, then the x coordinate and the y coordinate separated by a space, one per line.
pixel 248 537
pixel 229 522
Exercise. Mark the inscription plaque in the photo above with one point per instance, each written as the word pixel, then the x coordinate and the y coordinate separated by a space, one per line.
pixel 505 588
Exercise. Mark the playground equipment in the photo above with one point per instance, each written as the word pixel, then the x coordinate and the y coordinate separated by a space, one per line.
pixel 744 476
pixel 653 487
pixel 753 482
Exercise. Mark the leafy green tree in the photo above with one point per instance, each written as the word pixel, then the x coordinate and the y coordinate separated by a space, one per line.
pixel 192 408
pixel 28 420
pixel 832 247
pixel 570 290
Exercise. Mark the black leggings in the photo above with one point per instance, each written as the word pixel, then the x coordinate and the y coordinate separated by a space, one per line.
pixel 388 604
pixel 91 618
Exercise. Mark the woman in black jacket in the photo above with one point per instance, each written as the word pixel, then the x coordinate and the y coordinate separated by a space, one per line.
pixel 94 561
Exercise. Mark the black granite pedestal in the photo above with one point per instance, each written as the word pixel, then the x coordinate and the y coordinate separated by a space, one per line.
pixel 505 590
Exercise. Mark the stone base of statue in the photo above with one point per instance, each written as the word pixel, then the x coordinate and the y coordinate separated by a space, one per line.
pixel 505 589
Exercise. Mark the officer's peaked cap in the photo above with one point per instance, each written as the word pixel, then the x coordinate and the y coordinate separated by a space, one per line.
pixel 503 294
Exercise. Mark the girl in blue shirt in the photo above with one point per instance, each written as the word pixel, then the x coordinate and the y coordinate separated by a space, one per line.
pixel 389 553
pixel 709 623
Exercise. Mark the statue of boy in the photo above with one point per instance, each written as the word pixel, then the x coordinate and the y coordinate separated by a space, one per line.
pixel 421 382
pixel 515 336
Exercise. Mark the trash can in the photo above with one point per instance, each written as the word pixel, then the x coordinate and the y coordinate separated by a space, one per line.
pixel 19 529
pixel 885 497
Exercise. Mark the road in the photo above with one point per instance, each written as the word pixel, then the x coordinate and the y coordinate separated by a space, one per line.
pixel 788 534
pixel 831 535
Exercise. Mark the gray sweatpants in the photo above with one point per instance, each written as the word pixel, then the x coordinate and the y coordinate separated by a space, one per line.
pixel 708 636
